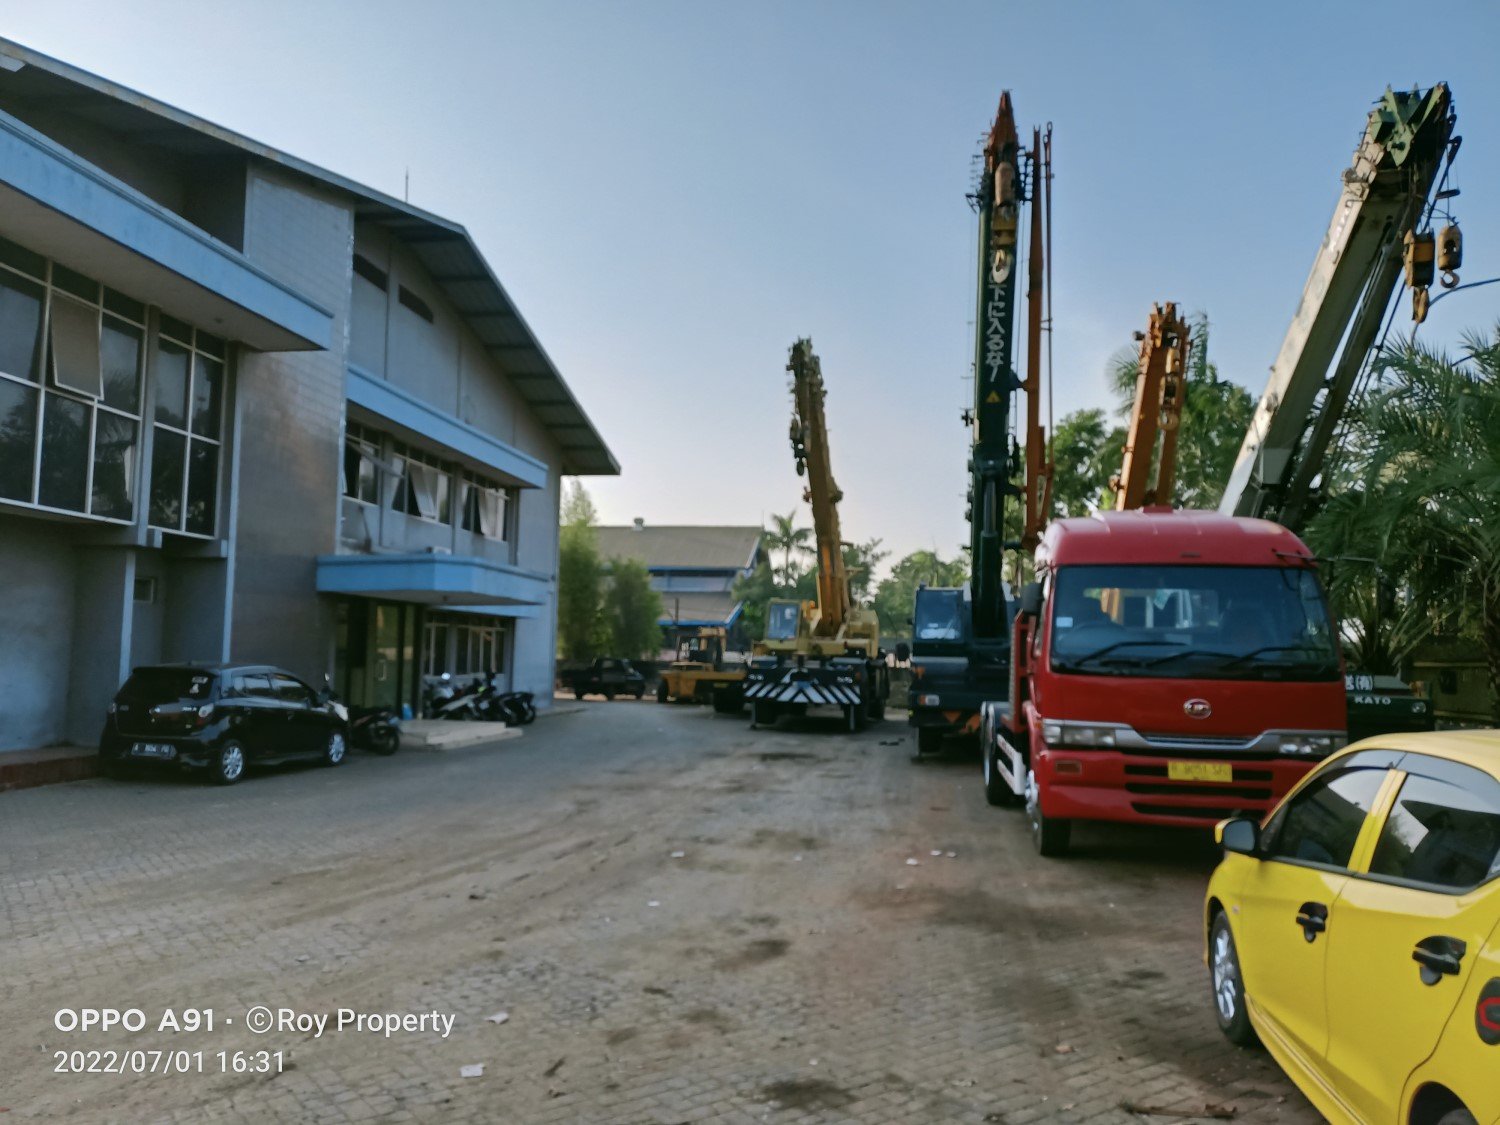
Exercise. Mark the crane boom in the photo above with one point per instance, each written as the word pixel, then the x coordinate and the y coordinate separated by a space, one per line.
pixel 1383 197
pixel 1159 385
pixel 809 434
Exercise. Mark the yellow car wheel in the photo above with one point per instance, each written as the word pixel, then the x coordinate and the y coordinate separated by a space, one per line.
pixel 1228 984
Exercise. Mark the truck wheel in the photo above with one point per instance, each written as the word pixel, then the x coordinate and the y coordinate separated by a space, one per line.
pixel 661 692
pixel 929 741
pixel 854 717
pixel 1048 834
pixel 997 790
pixel 761 714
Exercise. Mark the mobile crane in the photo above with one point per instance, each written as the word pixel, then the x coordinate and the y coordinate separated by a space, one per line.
pixel 961 635
pixel 1178 667
pixel 823 653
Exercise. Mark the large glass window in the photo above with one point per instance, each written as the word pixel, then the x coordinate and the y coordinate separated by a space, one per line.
pixel 361 462
pixel 423 484
pixel 1194 622
pixel 187 445
pixel 70 377
pixel 485 505
pixel 1321 824
pixel 1440 834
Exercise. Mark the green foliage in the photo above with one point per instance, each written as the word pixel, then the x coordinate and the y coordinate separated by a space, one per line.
pixel 860 561
pixel 896 594
pixel 1423 506
pixel 581 635
pixel 793 543
pixel 1085 450
pixel 754 592
pixel 631 611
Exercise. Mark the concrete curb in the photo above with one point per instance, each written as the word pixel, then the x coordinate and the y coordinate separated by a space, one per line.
pixel 436 734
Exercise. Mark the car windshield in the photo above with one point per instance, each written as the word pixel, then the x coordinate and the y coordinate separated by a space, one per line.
pixel 162 684
pixel 938 615
pixel 1192 622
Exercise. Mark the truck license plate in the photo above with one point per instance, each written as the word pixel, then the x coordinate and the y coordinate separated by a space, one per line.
pixel 153 750
pixel 1200 771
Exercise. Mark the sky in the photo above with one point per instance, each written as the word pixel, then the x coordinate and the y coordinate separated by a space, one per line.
pixel 673 192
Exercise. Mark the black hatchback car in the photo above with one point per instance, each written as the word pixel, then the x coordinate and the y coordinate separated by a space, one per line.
pixel 222 718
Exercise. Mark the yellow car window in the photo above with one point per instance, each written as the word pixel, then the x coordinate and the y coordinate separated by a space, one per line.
pixel 1321 823
pixel 1439 834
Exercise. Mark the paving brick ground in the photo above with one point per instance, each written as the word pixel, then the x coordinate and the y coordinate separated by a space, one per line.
pixel 790 966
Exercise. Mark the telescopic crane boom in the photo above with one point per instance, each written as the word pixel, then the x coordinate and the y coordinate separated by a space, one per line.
pixel 809 433
pixel 1381 207
pixel 1159 385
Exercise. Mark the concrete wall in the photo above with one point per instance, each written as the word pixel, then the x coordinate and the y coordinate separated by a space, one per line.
pixel 290 425
pixel 36 622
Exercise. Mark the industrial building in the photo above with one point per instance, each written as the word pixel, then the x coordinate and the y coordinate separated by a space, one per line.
pixel 252 410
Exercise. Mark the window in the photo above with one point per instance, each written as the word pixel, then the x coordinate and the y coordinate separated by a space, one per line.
pixel 1321 824
pixel 781 621
pixel 289 690
pixel 485 505
pixel 186 444
pixel 361 463
pixel 372 273
pixel 70 376
pixel 422 487
pixel 1440 834
pixel 254 685
pixel 414 303
pixel 477 647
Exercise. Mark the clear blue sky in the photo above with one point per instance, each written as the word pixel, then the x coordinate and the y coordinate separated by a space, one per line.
pixel 673 192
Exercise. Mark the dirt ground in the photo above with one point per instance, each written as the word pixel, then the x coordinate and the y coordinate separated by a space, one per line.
pixel 682 920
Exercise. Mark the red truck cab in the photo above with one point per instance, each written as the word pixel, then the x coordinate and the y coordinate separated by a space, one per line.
pixel 1170 667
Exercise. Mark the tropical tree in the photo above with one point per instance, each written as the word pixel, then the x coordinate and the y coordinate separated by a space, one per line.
pixel 792 541
pixel 580 574
pixel 632 610
pixel 1424 463
pixel 860 561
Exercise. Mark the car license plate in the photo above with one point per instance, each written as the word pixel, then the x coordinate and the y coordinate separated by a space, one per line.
pixel 1200 771
pixel 153 750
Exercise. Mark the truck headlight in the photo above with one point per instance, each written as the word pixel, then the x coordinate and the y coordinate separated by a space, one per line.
pixel 927 701
pixel 1083 735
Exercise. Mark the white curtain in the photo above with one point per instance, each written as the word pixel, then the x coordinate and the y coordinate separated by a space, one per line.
pixel 492 513
pixel 424 486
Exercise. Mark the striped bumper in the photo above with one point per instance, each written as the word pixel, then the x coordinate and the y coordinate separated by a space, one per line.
pixel 811 692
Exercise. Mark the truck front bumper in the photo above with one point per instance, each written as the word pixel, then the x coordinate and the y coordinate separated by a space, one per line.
pixel 1110 785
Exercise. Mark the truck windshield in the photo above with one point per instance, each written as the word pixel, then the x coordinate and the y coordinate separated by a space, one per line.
pixel 1192 622
pixel 781 621
pixel 938 615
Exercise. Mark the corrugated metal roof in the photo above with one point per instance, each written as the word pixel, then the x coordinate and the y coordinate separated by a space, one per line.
pixel 682 547
pixel 698 609
pixel 444 247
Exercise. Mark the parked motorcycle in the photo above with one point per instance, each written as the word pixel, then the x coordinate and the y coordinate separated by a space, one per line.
pixel 516 707
pixel 446 700
pixel 376 729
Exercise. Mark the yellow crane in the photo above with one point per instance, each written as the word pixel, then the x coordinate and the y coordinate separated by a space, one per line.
pixel 1150 467
pixel 824 653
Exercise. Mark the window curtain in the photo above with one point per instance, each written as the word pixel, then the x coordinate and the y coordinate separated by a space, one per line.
pixel 491 513
pixel 424 487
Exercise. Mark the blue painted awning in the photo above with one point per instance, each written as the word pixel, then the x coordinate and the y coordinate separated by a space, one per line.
pixel 57 204
pixel 448 581
pixel 430 424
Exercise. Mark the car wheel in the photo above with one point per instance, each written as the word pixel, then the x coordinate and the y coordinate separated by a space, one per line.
pixel 1458 1116
pixel 997 790
pixel 111 767
pixel 1048 834
pixel 228 765
pixel 929 740
pixel 333 753
pixel 662 694
pixel 640 692
pixel 1229 985
pixel 609 695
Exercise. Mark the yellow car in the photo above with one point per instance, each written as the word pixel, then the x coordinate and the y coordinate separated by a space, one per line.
pixel 1355 932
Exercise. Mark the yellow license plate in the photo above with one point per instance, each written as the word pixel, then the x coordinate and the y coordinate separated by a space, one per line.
pixel 1200 771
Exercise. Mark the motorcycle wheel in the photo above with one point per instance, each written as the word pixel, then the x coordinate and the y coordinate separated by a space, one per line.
pixel 384 740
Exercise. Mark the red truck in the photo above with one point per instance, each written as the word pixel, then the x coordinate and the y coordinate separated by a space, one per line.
pixel 1169 667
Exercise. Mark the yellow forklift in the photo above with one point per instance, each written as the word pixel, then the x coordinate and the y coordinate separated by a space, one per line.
pixel 698 674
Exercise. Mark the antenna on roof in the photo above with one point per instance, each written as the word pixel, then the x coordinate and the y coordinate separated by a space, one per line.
pixel 406 191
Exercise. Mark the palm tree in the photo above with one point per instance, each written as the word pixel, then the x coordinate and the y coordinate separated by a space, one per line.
pixel 786 537
pixel 1423 466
